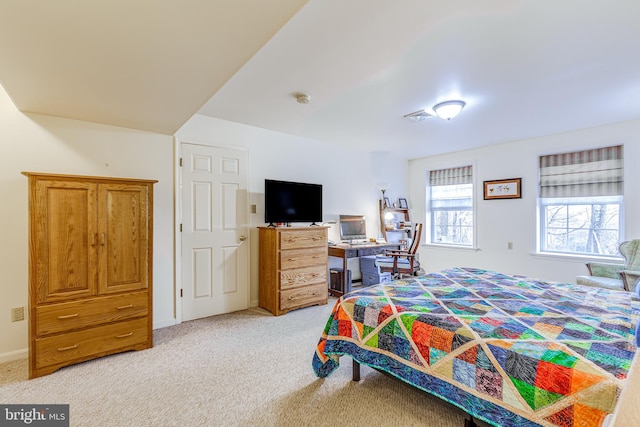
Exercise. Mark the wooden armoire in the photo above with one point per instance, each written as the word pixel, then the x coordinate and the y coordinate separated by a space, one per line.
pixel 90 268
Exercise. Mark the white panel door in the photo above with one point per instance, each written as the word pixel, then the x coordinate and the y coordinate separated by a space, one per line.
pixel 215 246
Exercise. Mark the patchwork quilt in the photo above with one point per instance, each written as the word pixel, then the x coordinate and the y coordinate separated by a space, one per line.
pixel 509 350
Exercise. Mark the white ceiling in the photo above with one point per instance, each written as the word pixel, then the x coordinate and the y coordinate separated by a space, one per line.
pixel 525 67
pixel 141 64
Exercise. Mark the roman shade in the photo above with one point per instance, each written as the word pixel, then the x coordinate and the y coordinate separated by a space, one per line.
pixel 451 176
pixel 589 173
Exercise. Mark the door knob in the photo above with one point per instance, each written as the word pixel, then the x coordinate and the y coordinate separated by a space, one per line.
pixel 243 238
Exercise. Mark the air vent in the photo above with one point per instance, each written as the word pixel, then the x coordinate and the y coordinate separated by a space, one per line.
pixel 418 116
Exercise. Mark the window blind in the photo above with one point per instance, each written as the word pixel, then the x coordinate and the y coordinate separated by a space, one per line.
pixel 589 173
pixel 451 176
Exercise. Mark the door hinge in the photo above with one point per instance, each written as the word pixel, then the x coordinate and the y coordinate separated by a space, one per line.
pixel 180 293
pixel 180 161
pixel 181 228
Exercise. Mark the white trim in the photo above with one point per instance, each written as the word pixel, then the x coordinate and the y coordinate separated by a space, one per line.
pixel 177 194
pixel 577 258
pixel 164 324
pixel 10 356
pixel 452 247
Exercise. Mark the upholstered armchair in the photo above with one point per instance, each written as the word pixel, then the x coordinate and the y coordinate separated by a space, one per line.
pixel 616 276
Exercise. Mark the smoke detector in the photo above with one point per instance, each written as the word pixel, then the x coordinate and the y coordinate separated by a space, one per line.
pixel 303 98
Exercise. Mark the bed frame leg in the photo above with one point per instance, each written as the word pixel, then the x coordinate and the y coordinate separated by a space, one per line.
pixel 470 422
pixel 355 373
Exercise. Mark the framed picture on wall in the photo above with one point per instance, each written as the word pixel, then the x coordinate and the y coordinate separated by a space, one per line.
pixel 402 203
pixel 387 202
pixel 503 189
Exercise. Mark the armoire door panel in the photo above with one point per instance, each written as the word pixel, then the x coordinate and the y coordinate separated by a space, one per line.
pixel 122 237
pixel 64 240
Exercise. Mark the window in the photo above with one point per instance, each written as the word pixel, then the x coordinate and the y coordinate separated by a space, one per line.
pixel 451 212
pixel 581 199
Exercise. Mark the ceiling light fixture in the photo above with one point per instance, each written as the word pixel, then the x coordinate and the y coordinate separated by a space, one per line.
pixel 449 109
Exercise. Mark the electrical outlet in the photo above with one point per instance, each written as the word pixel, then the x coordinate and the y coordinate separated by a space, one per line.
pixel 253 209
pixel 17 314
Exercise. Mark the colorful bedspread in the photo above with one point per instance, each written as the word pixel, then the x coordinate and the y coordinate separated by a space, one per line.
pixel 508 350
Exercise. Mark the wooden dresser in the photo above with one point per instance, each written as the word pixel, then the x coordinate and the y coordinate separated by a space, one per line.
pixel 90 268
pixel 293 268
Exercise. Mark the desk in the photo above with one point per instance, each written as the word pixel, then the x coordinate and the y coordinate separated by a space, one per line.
pixel 346 251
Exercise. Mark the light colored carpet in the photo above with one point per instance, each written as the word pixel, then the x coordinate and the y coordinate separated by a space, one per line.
pixel 242 369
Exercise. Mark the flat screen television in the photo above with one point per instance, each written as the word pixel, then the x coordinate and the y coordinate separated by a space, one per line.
pixel 353 228
pixel 286 201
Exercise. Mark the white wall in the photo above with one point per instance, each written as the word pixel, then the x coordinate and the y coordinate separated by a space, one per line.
pixel 349 177
pixel 47 144
pixel 514 220
pixel 40 143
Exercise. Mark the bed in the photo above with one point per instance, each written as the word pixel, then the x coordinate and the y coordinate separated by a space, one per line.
pixel 508 350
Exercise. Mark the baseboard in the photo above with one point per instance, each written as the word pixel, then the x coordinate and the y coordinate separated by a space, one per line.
pixel 164 323
pixel 253 303
pixel 14 355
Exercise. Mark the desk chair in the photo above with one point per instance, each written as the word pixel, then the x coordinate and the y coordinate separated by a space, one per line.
pixel 400 263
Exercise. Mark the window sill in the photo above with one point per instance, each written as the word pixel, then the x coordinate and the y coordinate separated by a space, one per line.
pixel 454 247
pixel 578 258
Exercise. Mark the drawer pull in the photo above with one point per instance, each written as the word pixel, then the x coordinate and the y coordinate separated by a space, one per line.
pixel 124 335
pixel 122 307
pixel 294 297
pixel 68 316
pixel 71 347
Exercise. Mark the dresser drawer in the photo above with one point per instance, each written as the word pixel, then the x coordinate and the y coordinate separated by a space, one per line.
pixel 303 258
pixel 89 312
pixel 303 238
pixel 303 276
pixel 291 298
pixel 87 343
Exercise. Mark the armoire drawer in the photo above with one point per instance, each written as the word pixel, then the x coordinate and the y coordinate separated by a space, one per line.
pixel 83 344
pixel 291 298
pixel 303 276
pixel 303 257
pixel 89 312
